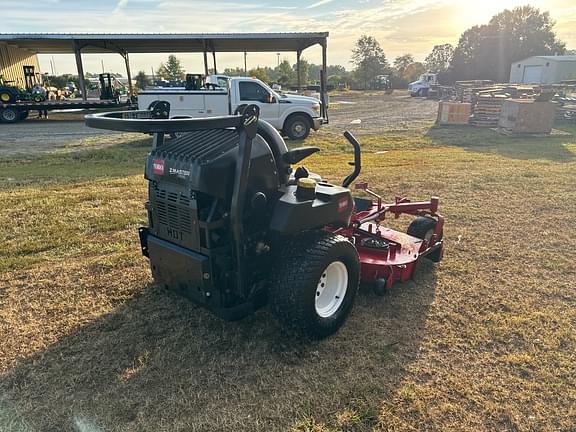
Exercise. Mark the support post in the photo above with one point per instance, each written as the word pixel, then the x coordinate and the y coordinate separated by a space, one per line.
pixel 214 60
pixel 323 82
pixel 298 53
pixel 128 74
pixel 80 69
pixel 205 62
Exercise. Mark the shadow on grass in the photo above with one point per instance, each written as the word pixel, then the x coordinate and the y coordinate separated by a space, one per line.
pixel 485 140
pixel 159 363
pixel 118 160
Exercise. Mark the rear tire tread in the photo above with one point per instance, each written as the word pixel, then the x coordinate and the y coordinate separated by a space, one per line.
pixel 297 266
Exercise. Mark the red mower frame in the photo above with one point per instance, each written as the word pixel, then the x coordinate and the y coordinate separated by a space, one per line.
pixel 395 258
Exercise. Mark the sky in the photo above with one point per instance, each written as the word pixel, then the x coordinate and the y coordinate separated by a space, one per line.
pixel 401 26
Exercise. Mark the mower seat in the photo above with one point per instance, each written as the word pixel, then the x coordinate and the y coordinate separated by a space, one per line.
pixel 282 156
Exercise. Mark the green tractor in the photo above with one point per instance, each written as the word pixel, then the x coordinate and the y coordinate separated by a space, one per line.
pixel 8 93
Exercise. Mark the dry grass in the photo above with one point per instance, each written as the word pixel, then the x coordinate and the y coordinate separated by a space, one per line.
pixel 484 341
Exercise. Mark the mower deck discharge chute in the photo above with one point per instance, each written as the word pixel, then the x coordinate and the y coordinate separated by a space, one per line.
pixel 233 226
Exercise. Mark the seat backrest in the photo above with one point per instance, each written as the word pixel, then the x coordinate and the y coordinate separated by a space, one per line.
pixel 278 148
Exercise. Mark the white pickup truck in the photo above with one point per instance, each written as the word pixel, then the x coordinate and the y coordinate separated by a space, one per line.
pixel 292 115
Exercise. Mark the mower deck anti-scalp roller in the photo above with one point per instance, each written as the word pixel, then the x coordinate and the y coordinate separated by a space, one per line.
pixel 233 226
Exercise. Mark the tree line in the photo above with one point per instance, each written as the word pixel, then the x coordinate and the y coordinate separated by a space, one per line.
pixel 483 52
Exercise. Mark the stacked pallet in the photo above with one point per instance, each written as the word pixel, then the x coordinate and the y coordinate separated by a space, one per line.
pixel 487 110
pixel 453 113
pixel 526 116
pixel 465 90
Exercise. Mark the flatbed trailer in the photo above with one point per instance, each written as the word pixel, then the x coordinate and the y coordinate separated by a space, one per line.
pixel 18 111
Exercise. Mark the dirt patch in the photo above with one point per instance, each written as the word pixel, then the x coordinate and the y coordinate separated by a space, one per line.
pixel 376 112
pixel 60 131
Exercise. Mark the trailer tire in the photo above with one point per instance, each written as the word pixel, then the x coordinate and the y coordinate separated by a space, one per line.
pixel 297 127
pixel 9 115
pixel 423 227
pixel 314 283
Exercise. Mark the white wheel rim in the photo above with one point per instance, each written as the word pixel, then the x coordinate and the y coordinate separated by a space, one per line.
pixel 331 289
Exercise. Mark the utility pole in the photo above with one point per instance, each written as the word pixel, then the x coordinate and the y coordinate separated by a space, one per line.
pixel 102 61
pixel 245 68
pixel 278 62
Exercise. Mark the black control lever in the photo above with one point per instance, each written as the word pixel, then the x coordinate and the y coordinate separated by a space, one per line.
pixel 357 159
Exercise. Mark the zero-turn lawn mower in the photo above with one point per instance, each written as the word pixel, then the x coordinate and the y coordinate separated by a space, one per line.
pixel 232 226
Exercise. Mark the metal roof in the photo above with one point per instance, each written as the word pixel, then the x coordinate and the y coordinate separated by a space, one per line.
pixel 560 58
pixel 62 43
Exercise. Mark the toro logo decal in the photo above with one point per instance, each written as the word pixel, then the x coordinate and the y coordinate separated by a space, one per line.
pixel 342 204
pixel 158 167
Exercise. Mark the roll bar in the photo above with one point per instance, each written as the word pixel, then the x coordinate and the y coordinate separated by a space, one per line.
pixel 142 121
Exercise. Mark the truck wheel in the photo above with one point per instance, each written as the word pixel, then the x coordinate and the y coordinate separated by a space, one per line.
pixel 423 228
pixel 314 283
pixel 297 127
pixel 6 97
pixel 9 115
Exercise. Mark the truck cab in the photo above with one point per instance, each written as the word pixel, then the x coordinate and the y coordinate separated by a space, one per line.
pixel 293 115
pixel 421 86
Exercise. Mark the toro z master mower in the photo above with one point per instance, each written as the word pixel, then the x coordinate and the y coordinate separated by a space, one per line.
pixel 233 226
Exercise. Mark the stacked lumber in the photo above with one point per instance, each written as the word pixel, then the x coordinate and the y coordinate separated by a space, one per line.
pixel 487 110
pixel 465 90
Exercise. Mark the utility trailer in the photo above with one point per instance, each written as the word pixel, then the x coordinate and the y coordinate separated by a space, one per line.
pixel 18 111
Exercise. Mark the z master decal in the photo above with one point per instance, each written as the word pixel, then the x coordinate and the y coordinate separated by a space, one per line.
pixel 179 172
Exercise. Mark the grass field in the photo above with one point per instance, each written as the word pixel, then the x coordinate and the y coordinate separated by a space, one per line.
pixel 485 341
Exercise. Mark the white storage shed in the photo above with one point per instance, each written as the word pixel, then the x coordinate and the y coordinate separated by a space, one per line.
pixel 543 69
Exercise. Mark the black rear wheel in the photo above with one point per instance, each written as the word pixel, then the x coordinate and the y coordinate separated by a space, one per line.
pixel 9 115
pixel 314 283
pixel 297 127
pixel 423 228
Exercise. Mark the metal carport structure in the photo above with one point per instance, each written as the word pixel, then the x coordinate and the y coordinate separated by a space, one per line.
pixel 126 43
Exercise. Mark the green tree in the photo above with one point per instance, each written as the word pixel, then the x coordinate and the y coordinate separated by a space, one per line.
pixel 440 58
pixel 171 70
pixel 402 62
pixel 284 73
pixel 141 80
pixel 304 71
pixel 237 71
pixel 487 51
pixel 369 59
pixel 259 73
pixel 413 71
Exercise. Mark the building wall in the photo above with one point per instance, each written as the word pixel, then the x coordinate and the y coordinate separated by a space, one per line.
pixel 566 71
pixel 552 71
pixel 12 61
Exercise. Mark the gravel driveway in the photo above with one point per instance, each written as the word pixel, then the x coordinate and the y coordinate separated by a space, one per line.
pixel 359 112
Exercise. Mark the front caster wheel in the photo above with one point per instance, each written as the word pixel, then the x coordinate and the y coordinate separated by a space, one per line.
pixel 314 283
pixel 380 287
